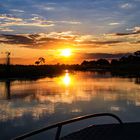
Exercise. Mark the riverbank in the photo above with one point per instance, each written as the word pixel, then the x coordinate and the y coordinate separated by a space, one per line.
pixel 33 71
pixel 28 71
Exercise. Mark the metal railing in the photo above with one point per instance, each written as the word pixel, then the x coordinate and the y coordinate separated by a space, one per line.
pixel 60 124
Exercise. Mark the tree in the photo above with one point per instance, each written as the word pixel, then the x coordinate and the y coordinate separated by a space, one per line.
pixel 37 62
pixel 137 53
pixel 114 62
pixel 102 62
pixel 84 63
pixel 40 60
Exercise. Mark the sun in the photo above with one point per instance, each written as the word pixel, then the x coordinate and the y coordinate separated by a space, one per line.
pixel 66 52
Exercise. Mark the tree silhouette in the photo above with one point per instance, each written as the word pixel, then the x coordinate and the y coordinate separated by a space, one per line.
pixel 114 62
pixel 40 60
pixel 37 62
pixel 8 58
pixel 137 53
pixel 102 62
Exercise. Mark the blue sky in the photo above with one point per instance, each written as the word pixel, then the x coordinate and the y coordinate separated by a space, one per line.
pixel 34 28
pixel 84 16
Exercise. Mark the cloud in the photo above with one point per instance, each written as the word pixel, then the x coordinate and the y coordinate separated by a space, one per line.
pixel 38 24
pixel 9 17
pixel 46 6
pixel 17 10
pixel 134 30
pixel 41 19
pixel 49 8
pixel 103 55
pixel 94 15
pixel 10 20
pixel 6 29
pixel 68 22
pixel 62 35
pixel 127 6
pixel 114 23
pixel 101 42
pixel 69 38
pixel 16 39
pixel 39 41
pixel 124 34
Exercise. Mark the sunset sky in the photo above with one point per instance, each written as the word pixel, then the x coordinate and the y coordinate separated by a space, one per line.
pixel 90 29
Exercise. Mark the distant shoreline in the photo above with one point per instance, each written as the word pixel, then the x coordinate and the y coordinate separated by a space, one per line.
pixel 126 65
pixel 33 71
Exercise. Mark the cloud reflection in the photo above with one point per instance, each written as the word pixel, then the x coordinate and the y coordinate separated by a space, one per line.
pixel 68 93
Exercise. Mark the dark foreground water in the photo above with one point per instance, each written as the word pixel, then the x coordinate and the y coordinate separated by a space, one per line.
pixel 29 105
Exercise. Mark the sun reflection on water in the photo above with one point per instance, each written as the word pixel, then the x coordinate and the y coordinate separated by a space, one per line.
pixel 43 96
pixel 66 79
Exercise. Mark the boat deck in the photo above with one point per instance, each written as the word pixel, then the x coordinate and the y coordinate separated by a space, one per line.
pixel 126 131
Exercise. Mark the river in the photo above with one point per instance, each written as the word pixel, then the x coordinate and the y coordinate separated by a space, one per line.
pixel 26 105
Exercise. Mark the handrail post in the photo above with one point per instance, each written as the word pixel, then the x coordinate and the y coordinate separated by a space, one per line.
pixel 58 132
pixel 60 124
pixel 117 118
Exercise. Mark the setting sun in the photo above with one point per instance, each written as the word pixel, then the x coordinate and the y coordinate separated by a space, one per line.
pixel 66 52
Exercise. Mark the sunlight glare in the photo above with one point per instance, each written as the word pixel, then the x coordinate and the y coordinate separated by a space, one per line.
pixel 66 52
pixel 66 79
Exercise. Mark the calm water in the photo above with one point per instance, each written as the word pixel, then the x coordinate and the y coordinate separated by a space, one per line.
pixel 28 105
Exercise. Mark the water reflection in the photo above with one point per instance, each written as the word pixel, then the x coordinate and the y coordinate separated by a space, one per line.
pixel 41 96
pixel 137 81
pixel 71 94
pixel 7 89
pixel 66 79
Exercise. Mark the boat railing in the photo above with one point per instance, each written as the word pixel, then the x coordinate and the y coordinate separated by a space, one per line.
pixel 60 124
